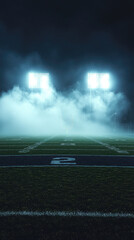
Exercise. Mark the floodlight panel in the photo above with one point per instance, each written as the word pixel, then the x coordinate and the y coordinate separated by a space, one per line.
pixel 38 80
pixel 33 82
pixel 104 81
pixel 93 81
pixel 44 81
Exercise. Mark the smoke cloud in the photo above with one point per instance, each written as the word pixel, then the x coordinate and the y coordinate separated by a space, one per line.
pixel 38 113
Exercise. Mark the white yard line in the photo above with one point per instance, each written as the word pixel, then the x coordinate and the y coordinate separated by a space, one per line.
pixel 67 140
pixel 11 145
pixel 67 144
pixel 10 149
pixel 125 145
pixel 16 139
pixel 70 149
pixel 110 146
pixel 66 214
pixel 33 146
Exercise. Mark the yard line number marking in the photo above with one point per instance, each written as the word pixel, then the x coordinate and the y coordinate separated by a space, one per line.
pixel 63 161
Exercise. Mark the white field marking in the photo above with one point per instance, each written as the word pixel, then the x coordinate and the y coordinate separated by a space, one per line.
pixel 72 149
pixel 12 142
pixel 116 139
pixel 56 143
pixel 110 146
pixel 88 145
pixel 12 145
pixel 31 147
pixel 66 165
pixel 60 154
pixel 66 214
pixel 52 143
pixel 9 149
pixel 67 144
pixel 16 139
pixel 63 161
pixel 67 140
pixel 126 145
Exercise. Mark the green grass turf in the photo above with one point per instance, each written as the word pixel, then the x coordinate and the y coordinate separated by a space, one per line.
pixel 12 146
pixel 58 228
pixel 51 188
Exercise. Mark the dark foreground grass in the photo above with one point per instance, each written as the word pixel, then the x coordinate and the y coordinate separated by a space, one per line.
pixel 67 189
pixel 53 228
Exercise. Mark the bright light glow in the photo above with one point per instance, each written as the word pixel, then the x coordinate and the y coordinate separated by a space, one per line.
pixel 44 81
pixel 93 80
pixel 104 81
pixel 98 80
pixel 33 82
pixel 38 80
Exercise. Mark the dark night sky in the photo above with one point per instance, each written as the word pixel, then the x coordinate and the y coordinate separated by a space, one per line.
pixel 67 38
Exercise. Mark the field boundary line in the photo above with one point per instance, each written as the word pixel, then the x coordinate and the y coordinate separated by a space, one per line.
pixel 70 149
pixel 62 154
pixel 66 214
pixel 68 165
pixel 33 146
pixel 58 154
pixel 110 146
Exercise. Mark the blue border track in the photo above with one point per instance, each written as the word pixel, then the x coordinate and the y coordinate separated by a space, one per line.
pixel 45 160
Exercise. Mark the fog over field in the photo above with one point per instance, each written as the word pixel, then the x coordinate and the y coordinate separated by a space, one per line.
pixel 51 113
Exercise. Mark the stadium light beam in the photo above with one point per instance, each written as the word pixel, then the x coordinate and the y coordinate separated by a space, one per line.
pixel 33 82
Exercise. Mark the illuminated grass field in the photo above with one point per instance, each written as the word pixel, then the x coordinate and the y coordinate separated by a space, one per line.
pixel 67 145
pixel 84 189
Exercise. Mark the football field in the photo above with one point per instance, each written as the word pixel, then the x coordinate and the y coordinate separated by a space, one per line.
pixel 67 145
pixel 68 202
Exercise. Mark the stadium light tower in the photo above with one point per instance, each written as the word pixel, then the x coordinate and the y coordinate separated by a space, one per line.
pixel 38 80
pixel 98 81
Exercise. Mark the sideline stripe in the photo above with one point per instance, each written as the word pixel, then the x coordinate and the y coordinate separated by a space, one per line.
pixel 66 214
pixel 64 155
pixel 69 149
pixel 66 165
pixel 110 146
